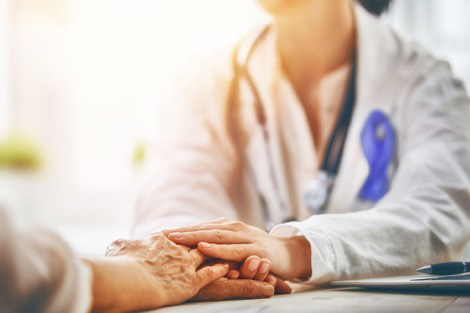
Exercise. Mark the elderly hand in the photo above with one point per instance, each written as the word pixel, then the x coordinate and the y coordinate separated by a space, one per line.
pixel 249 281
pixel 225 289
pixel 148 274
pixel 235 241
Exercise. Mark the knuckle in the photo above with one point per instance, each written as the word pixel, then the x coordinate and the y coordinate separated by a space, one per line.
pixel 118 242
pixel 219 290
pixel 155 238
pixel 218 234
pixel 117 247
pixel 238 250
pixel 237 224
pixel 249 287
pixel 154 241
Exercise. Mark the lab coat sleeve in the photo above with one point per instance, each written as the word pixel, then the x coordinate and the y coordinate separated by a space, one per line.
pixel 191 159
pixel 424 218
pixel 39 273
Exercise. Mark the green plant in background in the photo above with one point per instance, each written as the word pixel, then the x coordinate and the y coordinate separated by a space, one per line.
pixel 20 153
pixel 140 153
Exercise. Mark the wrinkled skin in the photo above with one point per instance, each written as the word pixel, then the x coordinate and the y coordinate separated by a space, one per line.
pixel 174 268
pixel 222 288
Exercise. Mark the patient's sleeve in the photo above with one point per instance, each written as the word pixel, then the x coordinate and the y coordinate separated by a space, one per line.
pixel 39 272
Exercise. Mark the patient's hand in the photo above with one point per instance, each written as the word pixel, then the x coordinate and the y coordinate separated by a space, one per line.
pixel 145 274
pixel 251 280
pixel 225 288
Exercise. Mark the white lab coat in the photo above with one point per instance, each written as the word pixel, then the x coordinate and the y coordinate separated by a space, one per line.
pixel 424 217
pixel 40 273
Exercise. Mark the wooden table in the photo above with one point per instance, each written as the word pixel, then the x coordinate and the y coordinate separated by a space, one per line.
pixel 343 300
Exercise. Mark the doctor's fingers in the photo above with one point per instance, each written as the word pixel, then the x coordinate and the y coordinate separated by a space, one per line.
pixel 263 270
pixel 249 268
pixel 191 228
pixel 213 236
pixel 255 268
pixel 230 252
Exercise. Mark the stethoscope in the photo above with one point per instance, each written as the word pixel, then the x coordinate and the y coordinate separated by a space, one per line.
pixel 377 139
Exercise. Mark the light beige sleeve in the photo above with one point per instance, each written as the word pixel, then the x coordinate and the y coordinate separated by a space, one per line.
pixel 39 272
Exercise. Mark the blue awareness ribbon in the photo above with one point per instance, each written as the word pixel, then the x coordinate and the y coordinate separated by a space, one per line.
pixel 378 144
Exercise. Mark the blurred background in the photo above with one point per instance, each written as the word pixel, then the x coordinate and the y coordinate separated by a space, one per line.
pixel 79 81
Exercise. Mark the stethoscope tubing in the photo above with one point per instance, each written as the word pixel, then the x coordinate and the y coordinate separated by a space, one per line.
pixel 332 158
pixel 242 56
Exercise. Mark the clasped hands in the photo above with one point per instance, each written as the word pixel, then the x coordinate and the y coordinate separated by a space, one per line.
pixel 258 251
pixel 217 260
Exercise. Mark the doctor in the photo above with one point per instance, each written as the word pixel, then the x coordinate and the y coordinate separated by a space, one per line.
pixel 332 146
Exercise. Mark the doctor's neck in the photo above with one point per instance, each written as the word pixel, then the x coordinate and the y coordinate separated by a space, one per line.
pixel 314 38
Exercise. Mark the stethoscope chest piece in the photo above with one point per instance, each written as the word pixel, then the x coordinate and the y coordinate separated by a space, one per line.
pixel 317 192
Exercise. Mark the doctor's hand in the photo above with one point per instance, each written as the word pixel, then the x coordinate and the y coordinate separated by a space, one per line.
pixel 236 241
pixel 150 273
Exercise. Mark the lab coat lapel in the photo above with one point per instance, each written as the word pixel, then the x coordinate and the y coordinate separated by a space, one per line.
pixel 272 181
pixel 299 150
pixel 372 93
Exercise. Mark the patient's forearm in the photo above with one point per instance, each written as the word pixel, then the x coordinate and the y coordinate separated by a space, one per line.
pixel 121 284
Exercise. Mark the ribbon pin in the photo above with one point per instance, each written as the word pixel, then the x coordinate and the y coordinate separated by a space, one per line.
pixel 378 145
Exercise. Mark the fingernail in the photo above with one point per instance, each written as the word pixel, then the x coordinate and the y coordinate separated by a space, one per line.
pixel 253 265
pixel 234 276
pixel 157 233
pixel 226 265
pixel 205 245
pixel 264 268
pixel 176 235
